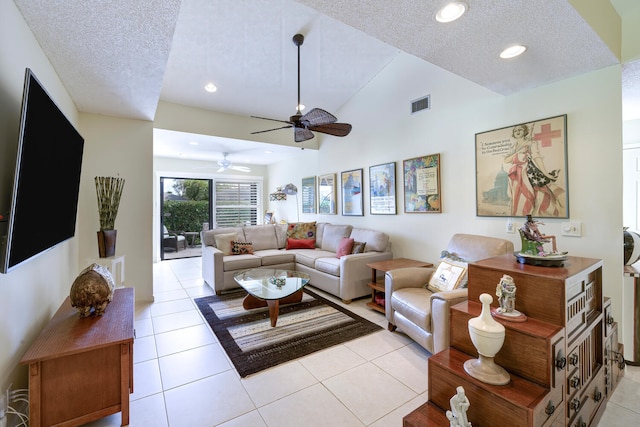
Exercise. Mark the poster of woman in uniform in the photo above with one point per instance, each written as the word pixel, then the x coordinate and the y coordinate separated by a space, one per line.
pixel 522 170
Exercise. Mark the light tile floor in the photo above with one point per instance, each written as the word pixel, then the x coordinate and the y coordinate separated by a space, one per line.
pixel 183 377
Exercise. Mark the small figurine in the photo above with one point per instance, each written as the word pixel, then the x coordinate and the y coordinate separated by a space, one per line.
pixel 533 239
pixel 457 416
pixel 506 293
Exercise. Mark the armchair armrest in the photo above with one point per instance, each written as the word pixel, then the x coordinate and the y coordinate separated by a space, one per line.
pixel 409 277
pixel 441 303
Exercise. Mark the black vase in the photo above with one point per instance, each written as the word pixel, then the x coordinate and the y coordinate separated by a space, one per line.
pixel 107 243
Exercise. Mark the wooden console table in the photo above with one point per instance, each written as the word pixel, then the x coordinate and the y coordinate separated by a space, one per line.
pixel 377 286
pixel 81 370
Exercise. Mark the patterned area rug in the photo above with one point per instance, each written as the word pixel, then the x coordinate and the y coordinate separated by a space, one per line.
pixel 303 328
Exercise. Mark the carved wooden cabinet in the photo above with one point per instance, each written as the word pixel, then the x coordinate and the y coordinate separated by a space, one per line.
pixel 556 359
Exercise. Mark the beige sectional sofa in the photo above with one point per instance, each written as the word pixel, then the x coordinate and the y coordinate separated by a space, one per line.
pixel 345 277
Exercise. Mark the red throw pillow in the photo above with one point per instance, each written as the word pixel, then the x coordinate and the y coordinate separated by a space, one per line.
pixel 345 246
pixel 301 243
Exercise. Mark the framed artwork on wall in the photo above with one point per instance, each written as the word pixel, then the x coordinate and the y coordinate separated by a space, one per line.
pixel 382 189
pixel 422 184
pixel 327 194
pixel 309 195
pixel 352 201
pixel 522 170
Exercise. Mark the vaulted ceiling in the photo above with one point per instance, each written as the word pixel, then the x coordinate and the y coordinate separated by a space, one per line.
pixel 122 57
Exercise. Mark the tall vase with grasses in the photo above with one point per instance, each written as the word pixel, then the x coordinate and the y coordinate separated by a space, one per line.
pixel 108 191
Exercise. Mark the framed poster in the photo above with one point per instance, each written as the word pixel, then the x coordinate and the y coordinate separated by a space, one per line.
pixel 352 202
pixel 327 194
pixel 422 184
pixel 382 189
pixel 522 170
pixel 269 218
pixel 309 195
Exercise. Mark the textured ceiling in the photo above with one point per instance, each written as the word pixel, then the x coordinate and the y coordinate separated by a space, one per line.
pixel 121 57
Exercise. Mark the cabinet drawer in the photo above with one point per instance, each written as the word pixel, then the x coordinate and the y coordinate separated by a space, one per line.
pixel 549 408
pixel 608 317
pixel 590 400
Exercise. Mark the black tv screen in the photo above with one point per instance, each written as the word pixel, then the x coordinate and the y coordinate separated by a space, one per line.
pixel 46 184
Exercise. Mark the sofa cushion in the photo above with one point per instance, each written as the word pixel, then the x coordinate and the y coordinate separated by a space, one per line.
pixel 261 236
pixel 301 244
pixel 329 266
pixel 241 248
pixel 319 231
pixel 208 237
pixel 281 235
pixel 301 230
pixel 308 257
pixel 240 262
pixel 358 247
pixel 275 256
pixel 332 235
pixel 345 247
pixel 414 304
pixel 376 241
pixel 223 242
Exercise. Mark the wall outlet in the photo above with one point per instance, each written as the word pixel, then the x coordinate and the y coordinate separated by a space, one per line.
pixel 510 227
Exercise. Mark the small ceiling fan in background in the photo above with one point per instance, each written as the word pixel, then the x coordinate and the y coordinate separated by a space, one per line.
pixel 316 120
pixel 226 164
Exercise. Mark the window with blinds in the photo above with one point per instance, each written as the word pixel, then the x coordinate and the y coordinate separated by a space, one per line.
pixel 236 203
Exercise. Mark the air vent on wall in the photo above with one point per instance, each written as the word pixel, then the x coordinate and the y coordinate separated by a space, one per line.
pixel 423 103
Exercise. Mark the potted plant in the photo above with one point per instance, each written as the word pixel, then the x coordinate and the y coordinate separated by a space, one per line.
pixel 108 191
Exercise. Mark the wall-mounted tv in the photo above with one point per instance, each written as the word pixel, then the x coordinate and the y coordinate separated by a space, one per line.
pixel 44 200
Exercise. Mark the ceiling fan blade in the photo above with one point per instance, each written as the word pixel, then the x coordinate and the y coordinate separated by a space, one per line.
pixel 269 130
pixel 273 120
pixel 240 168
pixel 335 129
pixel 222 169
pixel 302 134
pixel 316 117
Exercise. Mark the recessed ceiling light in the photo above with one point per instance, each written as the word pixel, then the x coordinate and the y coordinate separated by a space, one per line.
pixel 513 51
pixel 210 87
pixel 268 152
pixel 193 143
pixel 451 11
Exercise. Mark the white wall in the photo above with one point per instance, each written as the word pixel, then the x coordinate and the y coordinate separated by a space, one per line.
pixel 384 131
pixel 124 148
pixel 31 293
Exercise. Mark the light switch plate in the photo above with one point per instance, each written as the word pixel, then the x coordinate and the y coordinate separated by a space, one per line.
pixel 573 229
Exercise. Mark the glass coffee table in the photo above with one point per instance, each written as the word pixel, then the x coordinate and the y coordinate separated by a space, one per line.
pixel 269 287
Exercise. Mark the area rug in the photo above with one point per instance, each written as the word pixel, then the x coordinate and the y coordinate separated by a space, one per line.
pixel 253 345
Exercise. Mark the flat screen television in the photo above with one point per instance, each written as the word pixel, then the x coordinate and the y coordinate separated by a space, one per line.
pixel 46 183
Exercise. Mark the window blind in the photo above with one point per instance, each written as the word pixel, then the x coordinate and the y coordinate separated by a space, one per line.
pixel 236 203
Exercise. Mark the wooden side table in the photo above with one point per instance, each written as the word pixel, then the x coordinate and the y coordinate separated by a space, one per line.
pixel 81 369
pixel 377 285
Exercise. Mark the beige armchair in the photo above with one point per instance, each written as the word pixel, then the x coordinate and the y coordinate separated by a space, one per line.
pixel 422 314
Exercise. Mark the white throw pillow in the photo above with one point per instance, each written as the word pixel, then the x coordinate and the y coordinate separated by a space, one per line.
pixel 448 276
pixel 223 242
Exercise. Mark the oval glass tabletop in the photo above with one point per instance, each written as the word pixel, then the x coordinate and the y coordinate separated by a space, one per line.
pixel 271 283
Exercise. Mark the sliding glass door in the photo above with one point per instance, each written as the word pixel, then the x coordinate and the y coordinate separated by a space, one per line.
pixel 186 209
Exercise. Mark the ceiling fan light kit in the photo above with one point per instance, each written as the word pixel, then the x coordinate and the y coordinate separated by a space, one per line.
pixel 316 120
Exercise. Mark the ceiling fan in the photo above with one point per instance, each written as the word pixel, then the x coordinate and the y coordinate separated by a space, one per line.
pixel 316 120
pixel 226 164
